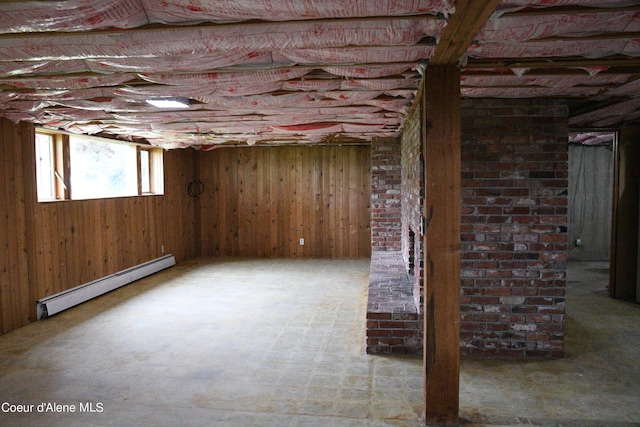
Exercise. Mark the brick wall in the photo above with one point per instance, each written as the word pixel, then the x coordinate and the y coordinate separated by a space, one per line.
pixel 513 234
pixel 514 227
pixel 385 195
pixel 413 204
pixel 394 325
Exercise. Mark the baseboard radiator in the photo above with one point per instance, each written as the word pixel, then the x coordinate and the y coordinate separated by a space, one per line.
pixel 74 296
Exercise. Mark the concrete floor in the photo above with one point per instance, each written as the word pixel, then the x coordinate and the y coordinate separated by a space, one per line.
pixel 281 343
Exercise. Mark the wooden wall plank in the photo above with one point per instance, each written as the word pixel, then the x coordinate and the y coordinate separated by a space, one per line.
pixel 308 219
pixel 332 208
pixel 290 193
pixel 6 323
pixel 316 226
pixel 33 233
pixel 16 222
pixel 299 209
pixel 277 182
pixel 343 203
pixel 264 210
pixel 4 235
pixel 81 248
pixel 327 156
pixel 365 194
pixel 8 287
pixel 243 216
pixel 15 310
pixel 60 238
pixel 23 310
pixel 110 230
pixel 231 217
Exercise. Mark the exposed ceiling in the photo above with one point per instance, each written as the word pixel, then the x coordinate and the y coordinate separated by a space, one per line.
pixel 304 71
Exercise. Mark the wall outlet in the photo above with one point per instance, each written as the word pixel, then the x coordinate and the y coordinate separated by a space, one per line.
pixel 301 241
pixel 162 249
pixel 578 242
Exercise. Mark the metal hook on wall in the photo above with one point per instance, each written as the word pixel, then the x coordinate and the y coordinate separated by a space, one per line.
pixel 195 188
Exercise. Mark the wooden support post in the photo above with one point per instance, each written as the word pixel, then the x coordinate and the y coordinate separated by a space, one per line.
pixel 441 148
pixel 625 248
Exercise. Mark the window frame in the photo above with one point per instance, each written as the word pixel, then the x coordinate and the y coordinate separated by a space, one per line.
pixel 62 167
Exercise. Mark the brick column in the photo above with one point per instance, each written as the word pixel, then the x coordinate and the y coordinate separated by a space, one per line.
pixel 514 227
pixel 386 176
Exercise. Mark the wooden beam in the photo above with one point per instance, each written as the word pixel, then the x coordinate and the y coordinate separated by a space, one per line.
pixel 441 147
pixel 462 27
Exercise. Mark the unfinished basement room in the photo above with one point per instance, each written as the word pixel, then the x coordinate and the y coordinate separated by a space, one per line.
pixel 240 213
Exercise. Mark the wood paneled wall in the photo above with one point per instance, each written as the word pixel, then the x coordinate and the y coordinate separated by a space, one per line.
pixel 259 202
pixel 51 247
pixel 14 267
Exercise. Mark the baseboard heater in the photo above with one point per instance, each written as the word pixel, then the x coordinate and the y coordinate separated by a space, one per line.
pixel 74 296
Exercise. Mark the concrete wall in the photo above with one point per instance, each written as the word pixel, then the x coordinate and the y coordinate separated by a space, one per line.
pixel 590 197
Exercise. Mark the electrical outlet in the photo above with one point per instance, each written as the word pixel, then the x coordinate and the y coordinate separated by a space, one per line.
pixel 162 249
pixel 301 241
pixel 578 242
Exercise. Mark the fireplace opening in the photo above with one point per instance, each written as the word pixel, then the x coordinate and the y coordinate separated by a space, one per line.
pixel 412 252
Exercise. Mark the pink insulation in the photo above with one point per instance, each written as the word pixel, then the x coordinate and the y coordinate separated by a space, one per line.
pixel 285 70
pixel 184 63
pixel 603 118
pixel 547 35
pixel 76 15
pixel 515 5
pixel 180 11
pixel 14 68
pixel 209 39
pixel 512 28
pixel 530 92
pixel 269 57
pixel 630 89
pixel 557 81
pixel 68 82
pixel 85 15
pixel 226 79
pixel 533 29
pixel 591 138
pixel 551 49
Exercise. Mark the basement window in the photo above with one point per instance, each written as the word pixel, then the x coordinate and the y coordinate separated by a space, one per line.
pixel 73 167
pixel 45 167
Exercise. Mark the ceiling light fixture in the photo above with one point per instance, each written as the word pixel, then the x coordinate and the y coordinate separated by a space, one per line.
pixel 168 102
